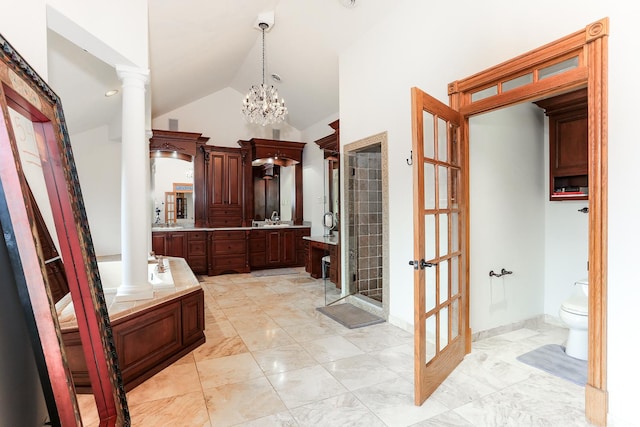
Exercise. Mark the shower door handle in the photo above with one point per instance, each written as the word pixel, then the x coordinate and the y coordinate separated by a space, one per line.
pixel 422 264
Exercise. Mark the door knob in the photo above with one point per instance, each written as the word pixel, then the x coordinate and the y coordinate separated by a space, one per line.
pixel 422 264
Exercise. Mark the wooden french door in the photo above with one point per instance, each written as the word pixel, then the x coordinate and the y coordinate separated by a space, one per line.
pixel 440 300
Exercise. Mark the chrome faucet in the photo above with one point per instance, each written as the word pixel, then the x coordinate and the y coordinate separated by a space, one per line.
pixel 275 217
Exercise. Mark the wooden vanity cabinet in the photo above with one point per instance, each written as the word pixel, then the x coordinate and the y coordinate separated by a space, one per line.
pixel 169 243
pixel 228 252
pixel 568 145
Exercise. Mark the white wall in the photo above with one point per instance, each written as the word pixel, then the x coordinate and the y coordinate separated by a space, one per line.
pixel 507 216
pixel 115 31
pixel 218 117
pixel 313 174
pixel 417 46
pixel 31 44
pixel 98 163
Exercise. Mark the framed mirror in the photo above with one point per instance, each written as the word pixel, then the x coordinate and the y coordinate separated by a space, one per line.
pixel 38 174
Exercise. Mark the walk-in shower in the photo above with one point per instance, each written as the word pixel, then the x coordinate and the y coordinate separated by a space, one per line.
pixel 366 199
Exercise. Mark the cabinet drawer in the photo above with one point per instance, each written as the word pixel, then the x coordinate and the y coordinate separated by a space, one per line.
pixel 229 261
pixel 196 248
pixel 225 222
pixel 229 235
pixel 197 235
pixel 229 247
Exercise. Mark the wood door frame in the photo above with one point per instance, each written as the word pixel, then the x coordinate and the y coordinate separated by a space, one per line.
pixel 589 46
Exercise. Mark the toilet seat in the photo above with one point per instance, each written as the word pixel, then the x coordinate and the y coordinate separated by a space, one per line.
pixel 576 304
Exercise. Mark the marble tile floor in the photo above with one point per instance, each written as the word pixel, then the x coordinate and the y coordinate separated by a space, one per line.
pixel 271 359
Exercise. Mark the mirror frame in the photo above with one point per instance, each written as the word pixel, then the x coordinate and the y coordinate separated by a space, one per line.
pixel 22 89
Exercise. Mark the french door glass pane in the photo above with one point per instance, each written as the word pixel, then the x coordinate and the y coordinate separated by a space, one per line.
pixel 444 328
pixel 444 234
pixel 444 280
pixel 430 236
pixel 443 188
pixel 443 149
pixel 429 186
pixel 455 318
pixel 430 288
pixel 430 342
pixel 455 246
pixel 455 275
pixel 428 135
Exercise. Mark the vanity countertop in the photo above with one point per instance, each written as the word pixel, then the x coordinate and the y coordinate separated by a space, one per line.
pixel 192 228
pixel 329 240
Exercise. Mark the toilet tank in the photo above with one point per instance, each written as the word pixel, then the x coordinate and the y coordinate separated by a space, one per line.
pixel 583 284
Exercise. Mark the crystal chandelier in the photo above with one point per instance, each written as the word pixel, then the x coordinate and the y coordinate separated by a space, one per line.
pixel 262 105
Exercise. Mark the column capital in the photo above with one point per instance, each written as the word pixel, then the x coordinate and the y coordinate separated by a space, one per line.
pixel 127 72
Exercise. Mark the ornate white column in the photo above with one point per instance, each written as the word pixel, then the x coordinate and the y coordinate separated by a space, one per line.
pixel 135 165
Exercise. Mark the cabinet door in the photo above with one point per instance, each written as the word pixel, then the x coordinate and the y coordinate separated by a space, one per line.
pixel 234 179
pixel 176 245
pixel 273 247
pixel 159 243
pixel 217 179
pixel 288 246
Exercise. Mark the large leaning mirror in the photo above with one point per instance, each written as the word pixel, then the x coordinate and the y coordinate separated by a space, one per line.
pixel 41 205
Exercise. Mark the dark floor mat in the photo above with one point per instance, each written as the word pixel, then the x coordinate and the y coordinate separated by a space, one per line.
pixel 350 316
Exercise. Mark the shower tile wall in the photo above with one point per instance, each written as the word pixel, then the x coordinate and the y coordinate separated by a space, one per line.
pixel 365 222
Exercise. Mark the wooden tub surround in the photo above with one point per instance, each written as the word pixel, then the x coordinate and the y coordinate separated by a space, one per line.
pixel 149 335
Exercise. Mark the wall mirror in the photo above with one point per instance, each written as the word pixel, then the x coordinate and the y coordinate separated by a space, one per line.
pixel 274 188
pixel 38 174
pixel 276 179
pixel 173 186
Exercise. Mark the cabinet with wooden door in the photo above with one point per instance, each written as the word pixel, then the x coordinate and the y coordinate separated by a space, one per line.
pixel 281 247
pixel 568 145
pixel 224 182
pixel 169 243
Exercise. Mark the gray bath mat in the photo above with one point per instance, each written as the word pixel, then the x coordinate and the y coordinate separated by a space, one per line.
pixel 551 358
pixel 350 316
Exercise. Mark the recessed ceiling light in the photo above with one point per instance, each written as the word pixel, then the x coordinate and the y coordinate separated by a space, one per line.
pixel 276 77
pixel 111 92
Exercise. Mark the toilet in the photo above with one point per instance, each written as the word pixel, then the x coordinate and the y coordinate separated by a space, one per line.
pixel 574 312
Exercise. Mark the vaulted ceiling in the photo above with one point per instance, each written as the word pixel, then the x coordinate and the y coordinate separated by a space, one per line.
pixel 198 47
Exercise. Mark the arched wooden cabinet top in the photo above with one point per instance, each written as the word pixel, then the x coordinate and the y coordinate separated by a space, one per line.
pixel 168 143
pixel 285 153
pixel 330 144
